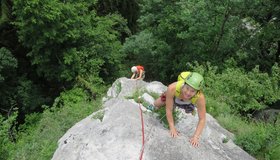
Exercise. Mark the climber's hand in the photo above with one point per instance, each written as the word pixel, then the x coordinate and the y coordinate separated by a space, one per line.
pixel 194 141
pixel 174 132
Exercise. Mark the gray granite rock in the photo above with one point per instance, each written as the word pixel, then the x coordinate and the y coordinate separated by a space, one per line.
pixel 115 133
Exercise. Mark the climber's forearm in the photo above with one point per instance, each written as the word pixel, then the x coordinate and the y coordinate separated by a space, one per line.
pixel 169 109
pixel 133 75
pixel 169 117
pixel 199 128
pixel 201 110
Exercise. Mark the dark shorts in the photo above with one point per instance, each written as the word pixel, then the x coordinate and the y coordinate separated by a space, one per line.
pixel 188 108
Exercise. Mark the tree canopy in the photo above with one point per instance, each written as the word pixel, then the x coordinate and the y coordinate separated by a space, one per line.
pixel 55 53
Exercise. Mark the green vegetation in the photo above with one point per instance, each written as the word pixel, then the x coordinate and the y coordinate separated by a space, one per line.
pixel 118 87
pixel 162 116
pixel 57 58
pixel 257 138
pixel 99 115
pixel 225 140
pixel 37 138
pixel 161 113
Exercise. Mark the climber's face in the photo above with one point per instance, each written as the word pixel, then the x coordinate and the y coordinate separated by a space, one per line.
pixel 188 92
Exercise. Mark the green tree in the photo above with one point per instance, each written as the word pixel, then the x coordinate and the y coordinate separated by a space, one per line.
pixel 145 49
pixel 129 9
pixel 8 65
pixel 5 12
pixel 67 39
pixel 214 31
pixel 7 135
pixel 193 30
pixel 261 46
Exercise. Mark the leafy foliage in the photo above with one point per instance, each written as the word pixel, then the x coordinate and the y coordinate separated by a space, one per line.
pixel 145 49
pixel 253 138
pixel 7 64
pixel 202 31
pixel 57 42
pixel 62 44
pixel 272 149
pixel 258 139
pixel 262 44
pixel 38 138
pixel 45 28
pixel 129 9
pixel 5 10
pixel 7 130
pixel 29 95
pixel 242 91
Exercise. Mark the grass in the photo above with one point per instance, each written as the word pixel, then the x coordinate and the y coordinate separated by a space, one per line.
pixel 99 115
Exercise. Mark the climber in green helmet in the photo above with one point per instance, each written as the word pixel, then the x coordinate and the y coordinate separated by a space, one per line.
pixel 186 94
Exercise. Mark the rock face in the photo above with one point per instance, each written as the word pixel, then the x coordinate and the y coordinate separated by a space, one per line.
pixel 115 133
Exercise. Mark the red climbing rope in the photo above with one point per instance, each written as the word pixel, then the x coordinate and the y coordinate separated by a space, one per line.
pixel 143 133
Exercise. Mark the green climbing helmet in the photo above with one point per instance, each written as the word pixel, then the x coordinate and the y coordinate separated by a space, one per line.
pixel 195 80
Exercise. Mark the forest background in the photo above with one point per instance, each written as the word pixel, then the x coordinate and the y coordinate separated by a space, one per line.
pixel 58 58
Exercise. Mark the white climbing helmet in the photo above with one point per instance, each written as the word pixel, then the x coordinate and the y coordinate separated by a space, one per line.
pixel 134 69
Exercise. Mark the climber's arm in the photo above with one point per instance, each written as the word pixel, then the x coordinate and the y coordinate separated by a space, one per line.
pixel 170 93
pixel 133 75
pixel 140 74
pixel 201 109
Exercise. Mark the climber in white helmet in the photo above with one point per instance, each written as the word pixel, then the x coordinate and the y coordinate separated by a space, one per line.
pixel 138 72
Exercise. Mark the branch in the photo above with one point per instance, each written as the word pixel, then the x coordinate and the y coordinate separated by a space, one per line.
pixel 222 30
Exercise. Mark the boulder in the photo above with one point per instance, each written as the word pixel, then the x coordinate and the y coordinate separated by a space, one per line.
pixel 116 132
